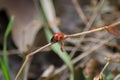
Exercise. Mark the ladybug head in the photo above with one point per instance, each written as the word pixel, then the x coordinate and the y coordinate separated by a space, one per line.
pixel 52 39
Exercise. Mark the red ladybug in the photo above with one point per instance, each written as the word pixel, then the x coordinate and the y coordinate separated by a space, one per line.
pixel 57 37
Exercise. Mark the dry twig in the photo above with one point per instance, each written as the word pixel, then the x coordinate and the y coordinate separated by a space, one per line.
pixel 28 57
pixel 100 76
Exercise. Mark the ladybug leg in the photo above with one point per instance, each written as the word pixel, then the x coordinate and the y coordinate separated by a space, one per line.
pixel 62 46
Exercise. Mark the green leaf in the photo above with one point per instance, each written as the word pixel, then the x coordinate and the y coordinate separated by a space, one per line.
pixel 5 57
pixel 9 27
pixel 4 70
pixel 63 55
pixel 56 47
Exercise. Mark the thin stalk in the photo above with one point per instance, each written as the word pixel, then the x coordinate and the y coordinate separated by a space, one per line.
pixel 28 57
pixel 5 56
pixel 87 32
pixel 3 68
pixel 104 67
pixel 94 30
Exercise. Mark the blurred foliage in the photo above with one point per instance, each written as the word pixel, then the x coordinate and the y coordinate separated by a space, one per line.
pixel 4 63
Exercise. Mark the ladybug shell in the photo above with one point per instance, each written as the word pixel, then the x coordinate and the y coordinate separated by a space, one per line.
pixel 57 37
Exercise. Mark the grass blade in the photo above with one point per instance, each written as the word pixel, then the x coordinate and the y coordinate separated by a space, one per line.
pixel 50 14
pixel 9 27
pixel 63 55
pixel 5 57
pixel 56 47
pixel 2 66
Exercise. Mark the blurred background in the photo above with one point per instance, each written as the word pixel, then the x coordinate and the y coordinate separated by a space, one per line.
pixel 26 25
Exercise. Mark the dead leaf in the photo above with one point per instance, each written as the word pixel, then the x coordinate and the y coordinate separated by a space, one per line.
pixel 115 30
pixel 27 22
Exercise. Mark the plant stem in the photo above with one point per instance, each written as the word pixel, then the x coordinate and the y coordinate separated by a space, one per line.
pixel 94 30
pixel 104 67
pixel 28 57
pixel 87 32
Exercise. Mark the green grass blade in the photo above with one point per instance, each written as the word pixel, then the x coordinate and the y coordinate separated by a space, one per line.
pixel 9 27
pixel 72 76
pixel 5 57
pixel 63 55
pixel 2 66
pixel 56 47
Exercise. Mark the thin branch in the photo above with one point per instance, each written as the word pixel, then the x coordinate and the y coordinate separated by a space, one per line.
pixel 87 32
pixel 94 30
pixel 100 76
pixel 26 70
pixel 28 57
pixel 104 67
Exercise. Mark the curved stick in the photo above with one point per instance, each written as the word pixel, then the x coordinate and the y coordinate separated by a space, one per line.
pixel 28 57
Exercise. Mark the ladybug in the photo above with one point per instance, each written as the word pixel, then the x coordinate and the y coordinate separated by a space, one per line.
pixel 57 37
